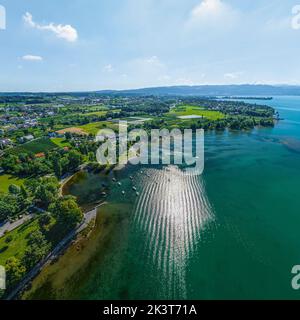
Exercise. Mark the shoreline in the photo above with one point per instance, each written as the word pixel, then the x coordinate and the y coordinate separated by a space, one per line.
pixel 66 277
pixel 63 245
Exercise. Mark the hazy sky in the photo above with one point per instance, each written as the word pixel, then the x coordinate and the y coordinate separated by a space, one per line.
pixel 58 45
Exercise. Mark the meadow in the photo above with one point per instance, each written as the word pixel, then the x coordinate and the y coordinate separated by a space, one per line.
pixel 15 243
pixel 94 127
pixel 6 180
pixel 61 142
pixel 188 110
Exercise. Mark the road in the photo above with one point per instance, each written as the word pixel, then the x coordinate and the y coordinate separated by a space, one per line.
pixel 54 253
pixel 7 226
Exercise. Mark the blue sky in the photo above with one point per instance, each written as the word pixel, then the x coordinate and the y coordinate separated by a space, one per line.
pixel 72 45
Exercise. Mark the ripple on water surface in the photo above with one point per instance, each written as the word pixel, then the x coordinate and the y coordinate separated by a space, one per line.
pixel 172 212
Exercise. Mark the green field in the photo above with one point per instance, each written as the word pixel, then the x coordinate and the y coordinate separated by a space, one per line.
pixel 94 127
pixel 61 142
pixel 95 113
pixel 101 113
pixel 36 146
pixel 18 244
pixel 188 110
pixel 6 180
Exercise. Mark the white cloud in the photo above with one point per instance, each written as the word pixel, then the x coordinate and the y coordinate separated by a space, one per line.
pixel 66 32
pixel 30 57
pixel 28 19
pixel 108 68
pixel 213 13
pixel 154 62
pixel 232 75
pixel 295 23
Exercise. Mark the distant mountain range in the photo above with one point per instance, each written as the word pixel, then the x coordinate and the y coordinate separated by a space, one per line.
pixel 214 90
pixel 202 90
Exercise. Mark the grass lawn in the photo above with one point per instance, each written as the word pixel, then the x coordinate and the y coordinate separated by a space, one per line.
pixel 94 127
pixel 6 180
pixel 188 110
pixel 17 246
pixel 102 112
pixel 36 146
pixel 61 142
pixel 96 113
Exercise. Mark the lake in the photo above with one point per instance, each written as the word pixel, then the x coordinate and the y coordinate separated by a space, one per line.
pixel 231 233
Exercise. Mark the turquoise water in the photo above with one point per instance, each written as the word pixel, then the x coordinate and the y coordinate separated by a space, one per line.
pixel 232 233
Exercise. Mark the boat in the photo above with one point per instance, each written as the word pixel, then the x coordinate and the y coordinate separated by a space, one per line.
pixel 134 188
pixel 119 184
pixel 137 194
pixel 131 177
pixel 114 179
pixel 123 192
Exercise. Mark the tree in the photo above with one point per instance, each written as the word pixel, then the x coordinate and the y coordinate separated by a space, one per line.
pixel 37 250
pixel 13 189
pixel 64 164
pixel 57 167
pixel 44 221
pixel 8 206
pixel 23 192
pixel 31 185
pixel 46 191
pixel 66 212
pixel 91 156
pixel 15 271
pixel 68 135
pixel 74 158
pixel 51 124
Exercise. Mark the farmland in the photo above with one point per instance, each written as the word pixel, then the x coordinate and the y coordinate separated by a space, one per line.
pixel 36 146
pixel 74 130
pixel 188 110
pixel 60 142
pixel 94 127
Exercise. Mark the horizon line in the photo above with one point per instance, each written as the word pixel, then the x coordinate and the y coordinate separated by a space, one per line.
pixel 153 87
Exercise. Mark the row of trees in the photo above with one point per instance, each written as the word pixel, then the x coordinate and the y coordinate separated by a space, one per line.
pixel 72 118
pixel 234 123
pixel 232 107
pixel 28 165
pixel 61 215
pixel 14 202
pixel 41 193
